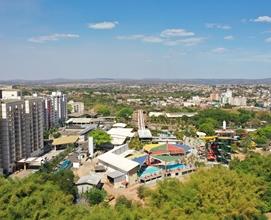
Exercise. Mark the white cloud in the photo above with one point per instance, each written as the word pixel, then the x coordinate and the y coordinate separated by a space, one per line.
pixel 152 39
pixel 186 42
pixel 262 19
pixel 52 37
pixel 268 40
pixel 217 26
pixel 131 37
pixel 219 50
pixel 176 33
pixel 143 38
pixel 229 37
pixel 105 25
pixel 168 37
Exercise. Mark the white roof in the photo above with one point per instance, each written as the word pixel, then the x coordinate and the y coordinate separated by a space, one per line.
pixel 119 125
pixel 144 133
pixel 119 135
pixel 79 120
pixel 156 114
pixel 118 162
pixel 127 132
pixel 128 152
pixel 118 140
pixel 180 114
pixel 199 133
pixel 92 179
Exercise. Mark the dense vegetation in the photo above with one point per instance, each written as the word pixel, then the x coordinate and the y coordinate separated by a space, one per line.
pixel 258 166
pixel 216 193
pixel 100 137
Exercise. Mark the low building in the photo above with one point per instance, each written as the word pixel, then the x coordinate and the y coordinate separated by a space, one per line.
pixel 117 178
pixel 119 125
pixel 64 141
pixel 77 107
pixel 114 160
pixel 144 134
pixel 85 183
pixel 120 135
pixel 10 93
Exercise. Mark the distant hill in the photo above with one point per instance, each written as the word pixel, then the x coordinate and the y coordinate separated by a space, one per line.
pixel 139 81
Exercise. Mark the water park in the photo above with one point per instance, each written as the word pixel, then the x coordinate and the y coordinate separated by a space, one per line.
pixel 163 160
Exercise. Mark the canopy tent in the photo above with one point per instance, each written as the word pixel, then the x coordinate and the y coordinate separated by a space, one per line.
pixel 186 148
pixel 150 146
pixel 141 160
pixel 164 149
pixel 166 158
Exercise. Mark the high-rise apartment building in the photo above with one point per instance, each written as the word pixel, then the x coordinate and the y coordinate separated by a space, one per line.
pixel 13 138
pixel 34 125
pixel 59 103
pixel 21 131
pixel 48 113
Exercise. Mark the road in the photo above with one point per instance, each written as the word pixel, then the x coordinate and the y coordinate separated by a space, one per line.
pixel 140 120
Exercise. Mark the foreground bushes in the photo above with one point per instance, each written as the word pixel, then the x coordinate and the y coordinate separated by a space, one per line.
pixel 217 193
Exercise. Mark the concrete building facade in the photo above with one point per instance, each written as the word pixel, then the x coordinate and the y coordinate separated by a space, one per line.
pixel 77 107
pixel 21 131
pixel 34 126
pixel 59 103
pixel 13 141
pixel 48 113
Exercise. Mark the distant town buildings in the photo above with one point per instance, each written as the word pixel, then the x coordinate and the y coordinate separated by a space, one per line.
pixel 228 98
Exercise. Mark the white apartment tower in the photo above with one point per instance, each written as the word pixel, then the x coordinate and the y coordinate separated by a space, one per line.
pixel 59 103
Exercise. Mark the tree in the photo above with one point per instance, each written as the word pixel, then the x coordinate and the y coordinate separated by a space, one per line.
pixel 207 128
pixel 247 143
pixel 65 180
pixel 258 166
pixel 135 143
pixel 100 137
pixel 125 113
pixel 179 135
pixel 69 108
pixel 56 134
pixel 142 192
pixel 217 193
pixel 123 202
pixel 95 196
pixel 102 110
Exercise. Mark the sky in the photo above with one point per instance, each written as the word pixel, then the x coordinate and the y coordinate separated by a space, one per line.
pixel 167 39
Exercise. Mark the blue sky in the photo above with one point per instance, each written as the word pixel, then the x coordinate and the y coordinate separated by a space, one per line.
pixel 44 39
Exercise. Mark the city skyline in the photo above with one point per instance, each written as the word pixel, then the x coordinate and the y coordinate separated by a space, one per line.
pixel 139 39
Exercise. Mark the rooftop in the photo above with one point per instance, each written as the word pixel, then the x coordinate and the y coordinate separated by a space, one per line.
pixel 92 179
pixel 65 140
pixel 145 133
pixel 115 174
pixel 118 162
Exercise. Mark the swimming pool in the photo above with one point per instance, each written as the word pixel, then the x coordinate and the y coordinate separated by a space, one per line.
pixel 66 164
pixel 175 166
pixel 149 170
